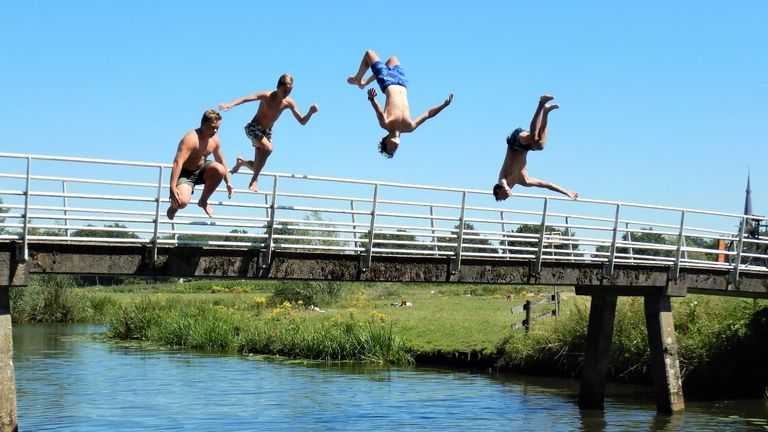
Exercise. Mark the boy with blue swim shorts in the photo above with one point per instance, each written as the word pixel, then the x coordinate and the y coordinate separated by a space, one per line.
pixel 395 118
pixel 514 170
pixel 387 76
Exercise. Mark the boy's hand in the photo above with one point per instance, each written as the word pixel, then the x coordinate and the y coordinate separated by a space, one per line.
pixel 371 93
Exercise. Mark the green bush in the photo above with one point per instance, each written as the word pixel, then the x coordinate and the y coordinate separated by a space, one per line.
pixel 321 294
pixel 48 298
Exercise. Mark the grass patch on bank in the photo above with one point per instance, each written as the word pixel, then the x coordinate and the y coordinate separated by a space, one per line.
pixel 721 340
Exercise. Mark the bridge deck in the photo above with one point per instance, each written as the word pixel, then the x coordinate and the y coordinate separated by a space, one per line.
pixel 208 262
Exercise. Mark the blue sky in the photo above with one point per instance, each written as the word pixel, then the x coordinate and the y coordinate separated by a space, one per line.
pixel 661 102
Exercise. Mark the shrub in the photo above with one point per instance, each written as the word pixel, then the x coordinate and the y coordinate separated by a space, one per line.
pixel 321 294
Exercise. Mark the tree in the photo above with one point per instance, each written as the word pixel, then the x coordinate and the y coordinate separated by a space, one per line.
pixel 208 237
pixel 550 243
pixel 645 236
pixel 381 239
pixel 2 219
pixel 106 233
pixel 468 227
pixel 319 236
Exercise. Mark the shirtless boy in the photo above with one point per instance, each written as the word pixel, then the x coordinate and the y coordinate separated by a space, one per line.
pixel 396 116
pixel 259 130
pixel 519 143
pixel 191 167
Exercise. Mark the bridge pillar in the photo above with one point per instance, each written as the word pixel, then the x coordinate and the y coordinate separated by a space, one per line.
pixel 602 312
pixel 662 341
pixel 12 272
pixel 665 364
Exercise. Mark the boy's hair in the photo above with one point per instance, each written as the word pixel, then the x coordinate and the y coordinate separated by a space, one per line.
pixel 210 116
pixel 497 188
pixel 285 79
pixel 383 148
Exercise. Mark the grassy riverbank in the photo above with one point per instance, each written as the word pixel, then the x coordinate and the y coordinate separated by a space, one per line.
pixel 721 340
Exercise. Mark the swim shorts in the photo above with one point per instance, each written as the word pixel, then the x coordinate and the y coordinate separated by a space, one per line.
pixel 193 177
pixel 513 141
pixel 256 132
pixel 387 76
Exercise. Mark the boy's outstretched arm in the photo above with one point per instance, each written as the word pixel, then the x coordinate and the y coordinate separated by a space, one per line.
pixel 303 119
pixel 431 113
pixel 250 98
pixel 376 107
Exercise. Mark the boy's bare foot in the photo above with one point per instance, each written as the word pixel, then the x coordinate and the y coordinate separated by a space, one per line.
pixel 545 98
pixel 354 81
pixel 238 163
pixel 254 185
pixel 549 108
pixel 573 195
pixel 171 213
pixel 207 208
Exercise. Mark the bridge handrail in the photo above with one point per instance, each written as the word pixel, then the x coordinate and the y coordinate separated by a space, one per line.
pixel 554 236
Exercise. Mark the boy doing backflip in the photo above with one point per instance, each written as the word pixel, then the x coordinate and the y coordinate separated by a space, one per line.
pixel 396 116
pixel 259 129
pixel 519 143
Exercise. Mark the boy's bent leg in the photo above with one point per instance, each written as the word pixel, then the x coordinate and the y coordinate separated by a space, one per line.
pixel 259 159
pixel 539 144
pixel 185 192
pixel 370 57
pixel 392 61
pixel 212 178
pixel 536 128
pixel 239 162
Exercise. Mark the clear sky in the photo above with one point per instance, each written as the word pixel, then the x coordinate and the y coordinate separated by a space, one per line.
pixel 661 102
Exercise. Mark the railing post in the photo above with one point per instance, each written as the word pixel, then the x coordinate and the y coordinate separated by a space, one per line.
pixel 66 206
pixel 629 240
pixel 25 238
pixel 740 244
pixel 568 234
pixel 365 261
pixel 675 271
pixel 536 267
pixel 608 269
pixel 432 223
pixel 266 256
pixel 504 242
pixel 354 221
pixel 156 229
pixel 456 262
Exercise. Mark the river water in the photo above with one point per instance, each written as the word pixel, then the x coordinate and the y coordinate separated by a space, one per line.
pixel 69 377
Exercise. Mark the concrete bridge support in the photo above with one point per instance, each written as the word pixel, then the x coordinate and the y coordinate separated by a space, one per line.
pixel 662 341
pixel 665 364
pixel 12 273
pixel 602 312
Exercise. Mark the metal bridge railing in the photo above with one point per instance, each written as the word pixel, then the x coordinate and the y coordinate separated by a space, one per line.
pixel 65 199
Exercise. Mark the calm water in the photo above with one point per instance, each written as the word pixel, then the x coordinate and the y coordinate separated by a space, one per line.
pixel 70 378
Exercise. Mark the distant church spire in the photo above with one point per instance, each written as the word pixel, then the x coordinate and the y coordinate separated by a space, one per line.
pixel 748 199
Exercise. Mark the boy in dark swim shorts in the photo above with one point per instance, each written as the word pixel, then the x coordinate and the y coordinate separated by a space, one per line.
pixel 191 166
pixel 514 171
pixel 256 132
pixel 259 129
pixel 192 178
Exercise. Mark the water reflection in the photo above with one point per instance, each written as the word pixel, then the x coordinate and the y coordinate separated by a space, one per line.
pixel 70 378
